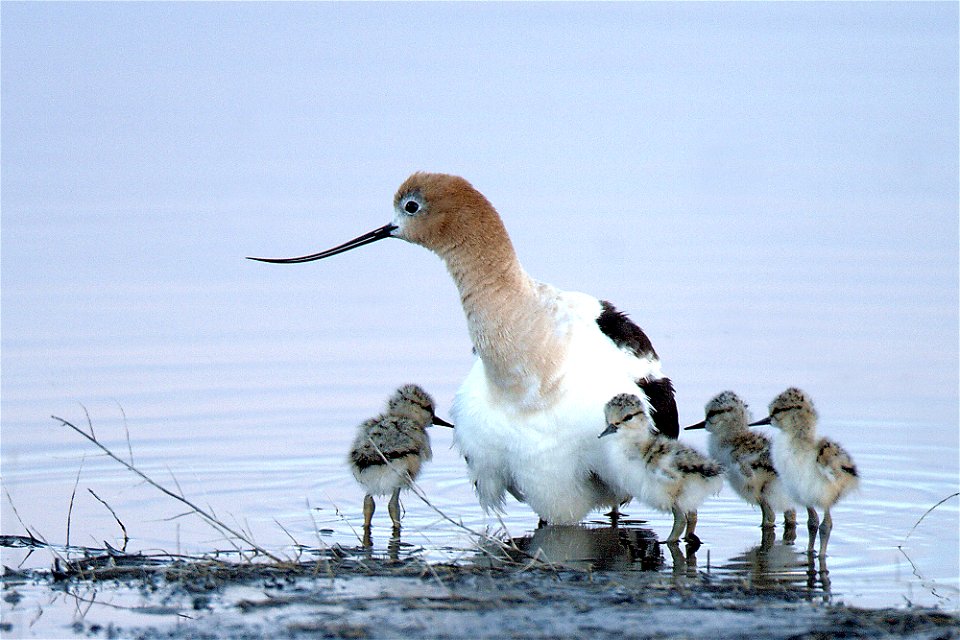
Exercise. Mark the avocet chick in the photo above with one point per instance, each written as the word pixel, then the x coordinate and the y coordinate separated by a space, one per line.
pixel 660 471
pixel 389 449
pixel 815 472
pixel 745 456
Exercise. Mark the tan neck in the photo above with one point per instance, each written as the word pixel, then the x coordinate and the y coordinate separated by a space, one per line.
pixel 506 314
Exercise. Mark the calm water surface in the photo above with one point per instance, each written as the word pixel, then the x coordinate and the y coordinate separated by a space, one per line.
pixel 245 396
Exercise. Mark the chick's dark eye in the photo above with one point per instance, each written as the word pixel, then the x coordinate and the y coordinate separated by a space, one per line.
pixel 411 207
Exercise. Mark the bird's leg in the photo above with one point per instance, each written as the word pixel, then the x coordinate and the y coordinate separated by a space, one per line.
pixel 813 520
pixel 368 508
pixel 789 526
pixel 679 522
pixel 691 537
pixel 767 537
pixel 790 518
pixel 394 508
pixel 825 528
pixel 769 518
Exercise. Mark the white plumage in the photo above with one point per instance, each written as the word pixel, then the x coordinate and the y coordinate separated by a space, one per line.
pixel 390 449
pixel 663 473
pixel 746 458
pixel 529 410
pixel 816 473
pixel 543 448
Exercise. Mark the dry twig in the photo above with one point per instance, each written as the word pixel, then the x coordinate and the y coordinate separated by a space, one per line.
pixel 73 494
pixel 212 520
pixel 115 517
pixel 482 536
pixel 952 495
pixel 126 430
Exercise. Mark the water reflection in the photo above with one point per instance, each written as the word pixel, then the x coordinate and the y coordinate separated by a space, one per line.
pixel 779 566
pixel 601 548
pixel 774 565
pixel 684 560
pixel 582 547
pixel 394 545
pixel 367 540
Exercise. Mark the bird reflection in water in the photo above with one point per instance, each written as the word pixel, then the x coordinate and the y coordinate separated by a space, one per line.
pixel 394 547
pixel 587 548
pixel 684 558
pixel 781 567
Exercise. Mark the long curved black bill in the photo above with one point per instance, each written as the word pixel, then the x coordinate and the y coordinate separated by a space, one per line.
pixel 440 422
pixel 699 425
pixel 760 422
pixel 386 231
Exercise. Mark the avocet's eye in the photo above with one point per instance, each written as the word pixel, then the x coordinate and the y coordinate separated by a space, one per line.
pixel 411 204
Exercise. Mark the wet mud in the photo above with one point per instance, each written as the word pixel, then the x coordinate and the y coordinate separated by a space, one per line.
pixel 503 590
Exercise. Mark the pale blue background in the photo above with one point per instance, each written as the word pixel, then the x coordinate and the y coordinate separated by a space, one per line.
pixel 699 152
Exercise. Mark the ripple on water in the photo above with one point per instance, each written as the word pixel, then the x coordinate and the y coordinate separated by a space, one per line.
pixel 874 560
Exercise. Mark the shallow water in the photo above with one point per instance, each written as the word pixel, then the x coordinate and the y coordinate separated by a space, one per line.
pixel 788 219
pixel 245 397
pixel 258 431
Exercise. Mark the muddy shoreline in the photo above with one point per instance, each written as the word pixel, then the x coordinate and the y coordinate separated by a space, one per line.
pixel 350 593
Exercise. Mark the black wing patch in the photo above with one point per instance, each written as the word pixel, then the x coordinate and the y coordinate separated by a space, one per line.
pixel 660 395
pixel 624 332
pixel 372 458
pixel 706 469
pixel 763 465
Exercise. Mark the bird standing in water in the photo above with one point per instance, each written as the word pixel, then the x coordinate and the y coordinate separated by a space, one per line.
pixel 548 360
pixel 390 449
pixel 661 472
pixel 816 472
pixel 745 456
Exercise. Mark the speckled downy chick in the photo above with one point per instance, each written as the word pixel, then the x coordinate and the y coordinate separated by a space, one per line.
pixel 746 458
pixel 816 472
pixel 659 471
pixel 390 449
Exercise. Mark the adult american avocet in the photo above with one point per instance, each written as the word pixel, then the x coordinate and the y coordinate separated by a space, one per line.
pixel 745 456
pixel 816 472
pixel 548 361
pixel 661 472
pixel 389 450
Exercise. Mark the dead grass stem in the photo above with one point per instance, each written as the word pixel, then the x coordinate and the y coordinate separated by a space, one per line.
pixel 206 515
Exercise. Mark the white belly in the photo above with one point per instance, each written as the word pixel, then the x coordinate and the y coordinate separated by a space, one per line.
pixel 754 486
pixel 382 479
pixel 543 451
pixel 797 468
